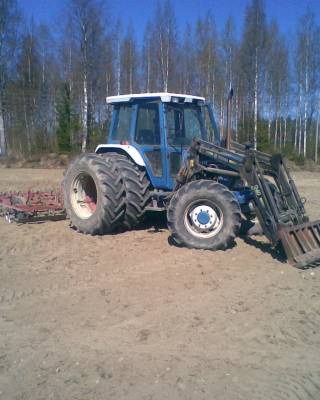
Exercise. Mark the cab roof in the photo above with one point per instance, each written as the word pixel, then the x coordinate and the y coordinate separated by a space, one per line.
pixel 165 98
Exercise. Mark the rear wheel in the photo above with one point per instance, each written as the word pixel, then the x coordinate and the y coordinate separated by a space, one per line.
pixel 94 194
pixel 204 215
pixel 136 186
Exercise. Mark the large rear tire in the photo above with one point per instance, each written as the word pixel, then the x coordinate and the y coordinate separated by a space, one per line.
pixel 204 215
pixel 94 195
pixel 136 186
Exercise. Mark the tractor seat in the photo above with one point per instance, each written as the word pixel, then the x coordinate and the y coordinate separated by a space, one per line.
pixel 146 136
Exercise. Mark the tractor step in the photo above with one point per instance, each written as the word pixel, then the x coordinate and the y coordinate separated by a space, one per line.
pixel 301 244
pixel 32 206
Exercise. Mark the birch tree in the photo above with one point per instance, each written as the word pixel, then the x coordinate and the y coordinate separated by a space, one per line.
pixel 9 19
pixel 307 70
pixel 253 58
pixel 277 84
pixel 150 71
pixel 129 62
pixel 187 62
pixel 87 21
pixel 166 43
pixel 29 77
pixel 207 58
pixel 117 39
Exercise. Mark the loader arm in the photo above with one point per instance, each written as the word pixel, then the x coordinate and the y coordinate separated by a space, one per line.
pixel 275 198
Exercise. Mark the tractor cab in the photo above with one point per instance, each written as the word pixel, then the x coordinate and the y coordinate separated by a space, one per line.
pixel 157 129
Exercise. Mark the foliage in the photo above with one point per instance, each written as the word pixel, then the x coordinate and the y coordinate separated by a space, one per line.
pixel 53 87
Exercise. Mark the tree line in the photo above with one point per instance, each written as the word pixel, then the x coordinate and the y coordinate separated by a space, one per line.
pixel 54 79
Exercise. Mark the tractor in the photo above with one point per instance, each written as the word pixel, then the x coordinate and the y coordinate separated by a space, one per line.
pixel 165 153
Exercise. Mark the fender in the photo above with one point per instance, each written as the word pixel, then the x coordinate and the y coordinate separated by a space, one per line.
pixel 132 152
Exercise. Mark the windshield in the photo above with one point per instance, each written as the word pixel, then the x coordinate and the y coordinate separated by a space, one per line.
pixel 183 124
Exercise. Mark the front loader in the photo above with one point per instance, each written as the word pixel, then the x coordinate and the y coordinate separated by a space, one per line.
pixel 274 198
pixel 164 154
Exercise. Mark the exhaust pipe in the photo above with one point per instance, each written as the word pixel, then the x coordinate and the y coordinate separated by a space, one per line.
pixel 229 113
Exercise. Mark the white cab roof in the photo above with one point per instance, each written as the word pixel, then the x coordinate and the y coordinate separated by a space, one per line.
pixel 165 97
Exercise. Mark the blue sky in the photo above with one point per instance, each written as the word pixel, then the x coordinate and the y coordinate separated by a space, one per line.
pixel 286 12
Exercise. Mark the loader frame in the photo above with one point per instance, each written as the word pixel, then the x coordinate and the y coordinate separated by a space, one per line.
pixel 274 197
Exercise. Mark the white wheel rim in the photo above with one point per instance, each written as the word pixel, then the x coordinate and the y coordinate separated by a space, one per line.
pixel 83 195
pixel 203 219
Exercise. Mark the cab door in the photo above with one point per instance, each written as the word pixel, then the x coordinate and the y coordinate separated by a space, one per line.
pixel 182 124
pixel 150 142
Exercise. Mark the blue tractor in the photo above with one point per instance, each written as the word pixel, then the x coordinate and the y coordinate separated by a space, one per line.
pixel 165 153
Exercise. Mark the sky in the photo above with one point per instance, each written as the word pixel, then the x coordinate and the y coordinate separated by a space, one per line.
pixel 286 12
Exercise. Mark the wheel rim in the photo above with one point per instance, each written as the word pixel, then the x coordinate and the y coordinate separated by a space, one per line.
pixel 203 219
pixel 83 195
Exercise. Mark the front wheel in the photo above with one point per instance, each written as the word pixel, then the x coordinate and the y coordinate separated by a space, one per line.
pixel 204 215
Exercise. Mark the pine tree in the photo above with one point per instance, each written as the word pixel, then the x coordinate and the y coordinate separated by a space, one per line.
pixel 67 121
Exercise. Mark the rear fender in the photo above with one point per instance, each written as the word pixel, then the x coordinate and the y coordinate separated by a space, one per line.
pixel 125 149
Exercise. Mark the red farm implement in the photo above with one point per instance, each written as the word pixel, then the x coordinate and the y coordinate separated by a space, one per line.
pixel 32 206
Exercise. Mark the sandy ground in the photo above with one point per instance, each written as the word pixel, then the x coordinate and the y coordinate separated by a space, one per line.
pixel 131 317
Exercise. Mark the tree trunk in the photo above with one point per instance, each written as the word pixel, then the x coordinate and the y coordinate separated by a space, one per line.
pixel 305 130
pixel 221 112
pixel 317 141
pixel 306 94
pixel 85 115
pixel 300 121
pixel 2 132
pixel 237 116
pixel 269 121
pixel 167 63
pixel 118 67
pixel 285 132
pixel 285 121
pixel 148 68
pixel 131 69
pixel 29 144
pixel 296 134
pixel 280 133
pixel 243 121
pixel 255 133
pixel 300 133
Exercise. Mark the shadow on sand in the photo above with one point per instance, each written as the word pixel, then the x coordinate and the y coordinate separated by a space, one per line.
pixel 276 253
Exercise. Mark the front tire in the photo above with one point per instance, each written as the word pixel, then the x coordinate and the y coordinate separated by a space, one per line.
pixel 204 215
pixel 94 196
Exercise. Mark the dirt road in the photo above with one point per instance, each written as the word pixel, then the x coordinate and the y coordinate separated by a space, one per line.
pixel 131 317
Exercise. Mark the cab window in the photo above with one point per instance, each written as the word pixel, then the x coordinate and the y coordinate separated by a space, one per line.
pixel 148 126
pixel 122 122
